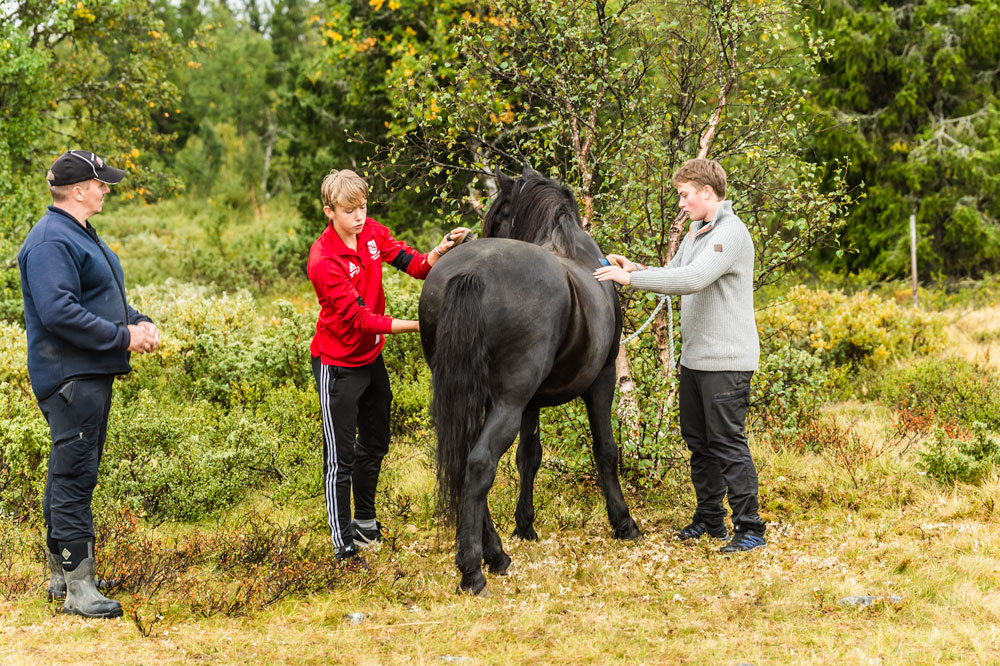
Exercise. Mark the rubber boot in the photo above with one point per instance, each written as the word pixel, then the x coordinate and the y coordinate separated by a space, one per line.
pixel 57 581
pixel 82 596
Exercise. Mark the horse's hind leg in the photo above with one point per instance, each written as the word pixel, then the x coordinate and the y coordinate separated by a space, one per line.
pixel 495 437
pixel 598 399
pixel 529 458
pixel 493 554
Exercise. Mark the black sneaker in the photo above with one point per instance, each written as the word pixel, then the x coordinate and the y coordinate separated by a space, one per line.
pixel 363 537
pixel 698 529
pixel 349 558
pixel 743 540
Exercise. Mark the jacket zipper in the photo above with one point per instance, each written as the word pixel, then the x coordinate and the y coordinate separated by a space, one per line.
pixel 121 288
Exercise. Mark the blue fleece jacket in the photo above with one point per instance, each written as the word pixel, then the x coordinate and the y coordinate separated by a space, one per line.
pixel 75 310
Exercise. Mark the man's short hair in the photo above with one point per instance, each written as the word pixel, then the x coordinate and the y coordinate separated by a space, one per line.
pixel 702 172
pixel 344 188
pixel 62 192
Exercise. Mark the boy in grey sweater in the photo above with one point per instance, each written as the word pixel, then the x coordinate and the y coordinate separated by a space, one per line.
pixel 713 273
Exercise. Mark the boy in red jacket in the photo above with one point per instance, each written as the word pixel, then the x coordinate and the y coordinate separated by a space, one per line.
pixel 345 267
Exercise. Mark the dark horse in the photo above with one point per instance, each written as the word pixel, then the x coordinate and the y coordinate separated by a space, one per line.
pixel 511 323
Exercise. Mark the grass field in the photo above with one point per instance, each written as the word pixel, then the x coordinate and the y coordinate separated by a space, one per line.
pixel 855 518
pixel 578 597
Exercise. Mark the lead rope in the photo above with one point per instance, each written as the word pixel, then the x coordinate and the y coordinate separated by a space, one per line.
pixel 670 325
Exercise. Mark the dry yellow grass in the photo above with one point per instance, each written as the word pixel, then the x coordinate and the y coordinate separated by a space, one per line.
pixel 578 597
pixel 975 336
pixel 863 524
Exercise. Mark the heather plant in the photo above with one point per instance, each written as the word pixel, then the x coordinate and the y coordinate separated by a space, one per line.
pixel 13 352
pixel 16 578
pixel 24 448
pixel 236 567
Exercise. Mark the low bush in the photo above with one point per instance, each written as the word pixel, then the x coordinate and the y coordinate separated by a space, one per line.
pixel 233 568
pixel 857 330
pixel 947 390
pixel 214 342
pixel 964 459
pixel 787 394
pixel 24 453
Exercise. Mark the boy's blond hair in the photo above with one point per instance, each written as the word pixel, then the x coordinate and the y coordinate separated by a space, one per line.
pixel 702 172
pixel 344 188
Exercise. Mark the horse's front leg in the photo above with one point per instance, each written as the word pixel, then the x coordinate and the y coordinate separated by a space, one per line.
pixel 529 458
pixel 598 399
pixel 495 438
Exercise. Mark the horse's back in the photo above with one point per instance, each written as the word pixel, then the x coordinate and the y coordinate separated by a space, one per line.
pixel 525 300
pixel 549 324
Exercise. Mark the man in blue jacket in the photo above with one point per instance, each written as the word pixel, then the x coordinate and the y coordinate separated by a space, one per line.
pixel 80 331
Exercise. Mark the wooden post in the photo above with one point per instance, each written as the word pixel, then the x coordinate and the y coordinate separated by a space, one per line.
pixel 913 256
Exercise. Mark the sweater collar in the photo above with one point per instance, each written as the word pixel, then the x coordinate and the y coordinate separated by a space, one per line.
pixel 725 208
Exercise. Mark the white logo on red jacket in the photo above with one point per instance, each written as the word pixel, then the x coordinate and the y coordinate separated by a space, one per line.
pixel 354 270
pixel 372 249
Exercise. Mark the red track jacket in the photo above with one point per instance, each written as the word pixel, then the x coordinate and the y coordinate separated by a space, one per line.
pixel 352 324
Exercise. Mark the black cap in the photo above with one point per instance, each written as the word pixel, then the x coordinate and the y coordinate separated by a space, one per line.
pixel 77 166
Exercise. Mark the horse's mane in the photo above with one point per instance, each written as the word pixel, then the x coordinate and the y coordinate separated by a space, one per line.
pixel 540 210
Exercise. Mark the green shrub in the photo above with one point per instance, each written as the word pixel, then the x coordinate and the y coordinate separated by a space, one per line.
pixel 14 358
pixel 213 342
pixel 11 303
pixel 176 461
pixel 857 330
pixel 949 390
pixel 24 453
pixel 787 393
pixel 950 460
pixel 404 359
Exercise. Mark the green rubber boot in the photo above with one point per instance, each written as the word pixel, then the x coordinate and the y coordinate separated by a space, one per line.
pixel 82 596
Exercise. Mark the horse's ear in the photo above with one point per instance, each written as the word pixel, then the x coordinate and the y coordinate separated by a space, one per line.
pixel 528 171
pixel 504 182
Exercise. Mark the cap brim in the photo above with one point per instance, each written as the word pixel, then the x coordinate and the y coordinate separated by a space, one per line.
pixel 111 175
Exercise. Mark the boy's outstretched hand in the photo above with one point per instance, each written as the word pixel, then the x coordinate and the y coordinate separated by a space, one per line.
pixel 619 270
pixel 452 238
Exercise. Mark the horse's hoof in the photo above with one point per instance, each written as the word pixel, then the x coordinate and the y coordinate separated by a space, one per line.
pixel 499 567
pixel 475 591
pixel 528 534
pixel 628 532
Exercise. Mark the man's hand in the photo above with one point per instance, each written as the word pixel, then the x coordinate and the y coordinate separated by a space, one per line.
pixel 154 332
pixel 621 262
pixel 138 338
pixel 143 337
pixel 613 273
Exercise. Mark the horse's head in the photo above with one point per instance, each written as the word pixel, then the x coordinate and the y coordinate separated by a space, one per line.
pixel 534 209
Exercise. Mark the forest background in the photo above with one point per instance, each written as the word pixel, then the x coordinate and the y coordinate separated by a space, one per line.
pixel 836 120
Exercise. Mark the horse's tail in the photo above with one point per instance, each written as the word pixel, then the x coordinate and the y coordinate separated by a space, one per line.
pixel 461 386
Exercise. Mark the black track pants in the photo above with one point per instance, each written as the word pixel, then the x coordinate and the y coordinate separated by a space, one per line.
pixel 354 403
pixel 713 408
pixel 77 414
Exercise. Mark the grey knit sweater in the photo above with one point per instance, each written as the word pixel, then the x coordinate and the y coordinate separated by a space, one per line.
pixel 713 270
